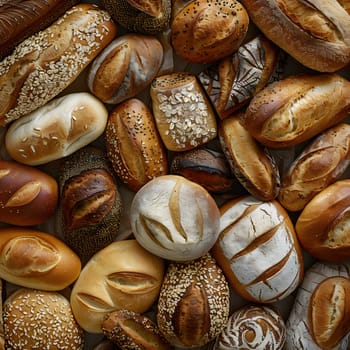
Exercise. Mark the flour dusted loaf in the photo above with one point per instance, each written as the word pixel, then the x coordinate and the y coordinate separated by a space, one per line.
pixel 175 218
pixel 44 64
pixel 122 275
pixel 204 31
pixel 90 206
pixel 57 129
pixel 297 108
pixel 125 67
pixel 319 317
pixel 28 196
pixel 36 259
pixel 258 250
pixel 184 116
pixel 316 33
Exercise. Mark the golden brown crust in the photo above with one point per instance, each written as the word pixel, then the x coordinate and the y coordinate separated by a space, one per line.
pixel 315 33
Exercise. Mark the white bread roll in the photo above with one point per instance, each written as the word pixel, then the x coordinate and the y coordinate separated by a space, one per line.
pixel 57 129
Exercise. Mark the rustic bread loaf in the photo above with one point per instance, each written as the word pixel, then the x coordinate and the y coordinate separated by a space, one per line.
pixel 133 144
pixel 28 196
pixel 317 33
pixel 174 218
pixel 46 63
pixel 57 129
pixel 297 108
pixel 258 250
pixel 35 259
pixel 122 275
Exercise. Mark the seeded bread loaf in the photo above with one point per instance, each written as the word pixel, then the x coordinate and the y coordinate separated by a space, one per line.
pixel 46 63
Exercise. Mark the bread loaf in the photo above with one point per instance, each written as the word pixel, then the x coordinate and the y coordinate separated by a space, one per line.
pixel 35 259
pixel 42 320
pixel 20 19
pixel 297 108
pixel 205 31
pixel 174 218
pixel 319 317
pixel 28 196
pixel 258 250
pixel 44 64
pixel 90 207
pixel 315 33
pixel 125 67
pixel 234 80
pixel 322 226
pixel 184 116
pixel 320 164
pixel 122 275
pixel 193 305
pixel 253 165
pixel 133 144
pixel 57 129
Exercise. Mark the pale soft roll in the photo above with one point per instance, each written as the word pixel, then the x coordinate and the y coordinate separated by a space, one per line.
pixel 57 129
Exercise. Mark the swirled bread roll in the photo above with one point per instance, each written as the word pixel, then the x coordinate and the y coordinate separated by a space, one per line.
pixel 315 33
pixel 258 250
pixel 174 218
pixel 122 275
pixel 44 64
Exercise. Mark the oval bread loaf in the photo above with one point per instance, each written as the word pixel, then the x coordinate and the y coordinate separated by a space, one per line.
pixel 28 196
pixel 56 130
pixel 35 259
pixel 43 65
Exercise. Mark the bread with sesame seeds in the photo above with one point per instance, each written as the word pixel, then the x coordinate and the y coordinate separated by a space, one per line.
pixel 35 319
pixel 204 31
pixel 57 129
pixel 133 144
pixel 46 63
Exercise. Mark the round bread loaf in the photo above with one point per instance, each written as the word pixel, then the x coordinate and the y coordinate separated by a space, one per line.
pixel 122 275
pixel 175 218
pixel 193 305
pixel 125 67
pixel 57 129
pixel 204 31
pixel 35 259
pixel 253 326
pixel 35 319
pixel 28 196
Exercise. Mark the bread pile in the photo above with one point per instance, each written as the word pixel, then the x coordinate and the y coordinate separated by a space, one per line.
pixel 174 174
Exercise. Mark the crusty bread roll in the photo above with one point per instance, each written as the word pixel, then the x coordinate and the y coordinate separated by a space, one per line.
pixel 46 63
pixel 35 259
pixel 90 206
pixel 125 67
pixel 250 326
pixel 133 144
pixel 193 305
pixel 258 249
pixel 57 129
pixel 253 165
pixel 122 275
pixel 2 329
pixel 234 80
pixel 174 218
pixel 321 163
pixel 42 320
pixel 322 226
pixel 184 116
pixel 319 317
pixel 20 19
pixel 315 33
pixel 204 31
pixel 28 196
pixel 146 16
pixel 297 108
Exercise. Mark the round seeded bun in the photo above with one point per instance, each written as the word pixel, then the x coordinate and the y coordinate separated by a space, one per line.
pixel 36 319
